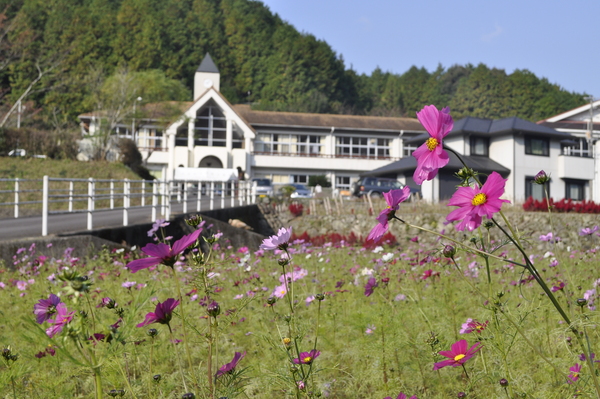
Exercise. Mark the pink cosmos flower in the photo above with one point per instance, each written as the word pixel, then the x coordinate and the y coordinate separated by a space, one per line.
pixel 588 231
pixel 162 313
pixel 475 202
pixel 431 155
pixel 230 367
pixel 393 198
pixel 402 396
pixel 370 286
pixel 280 291
pixel 307 357
pixel 45 308
pixel 278 241
pixel 473 326
pixel 162 253
pixel 458 354
pixel 574 376
pixel 61 319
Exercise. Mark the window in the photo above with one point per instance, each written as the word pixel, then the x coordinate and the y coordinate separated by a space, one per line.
pixel 480 146
pixel 537 146
pixel 303 179
pixel 362 147
pixel 342 182
pixel 210 127
pixel 294 144
pixel 575 190
pixel 532 189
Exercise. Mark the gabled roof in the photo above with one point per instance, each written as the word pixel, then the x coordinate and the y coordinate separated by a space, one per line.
pixel 496 127
pixel 409 164
pixel 208 65
pixel 575 111
pixel 298 119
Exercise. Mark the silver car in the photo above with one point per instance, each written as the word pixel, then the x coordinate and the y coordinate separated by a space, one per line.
pixel 300 191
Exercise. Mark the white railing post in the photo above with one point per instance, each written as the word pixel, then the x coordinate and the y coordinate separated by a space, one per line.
pixel 232 192
pixel 126 198
pixel 223 190
pixel 163 208
pixel 178 192
pixel 90 222
pixel 16 198
pixel 199 196
pixel 168 204
pixel 185 197
pixel 112 194
pixel 45 206
pixel 71 196
pixel 154 199
pixel 212 195
pixel 143 202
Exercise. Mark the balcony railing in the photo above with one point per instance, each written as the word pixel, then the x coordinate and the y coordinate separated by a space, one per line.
pixel 337 156
pixel 576 152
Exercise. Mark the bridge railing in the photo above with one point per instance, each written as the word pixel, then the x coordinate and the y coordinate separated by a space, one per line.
pixel 52 196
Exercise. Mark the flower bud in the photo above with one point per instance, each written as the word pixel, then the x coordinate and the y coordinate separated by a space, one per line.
pixel 461 395
pixel 582 302
pixel 449 251
pixel 188 395
pixel 213 309
pixel 271 300
pixel 541 178
pixel 112 393
pixel 156 377
pixel 153 332
pixel 283 262
pixel 503 382
pixel 194 221
pixel 319 297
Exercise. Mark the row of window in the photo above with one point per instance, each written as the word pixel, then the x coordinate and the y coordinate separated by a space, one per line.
pixel 574 189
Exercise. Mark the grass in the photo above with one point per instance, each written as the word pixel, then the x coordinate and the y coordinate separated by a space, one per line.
pixel 417 309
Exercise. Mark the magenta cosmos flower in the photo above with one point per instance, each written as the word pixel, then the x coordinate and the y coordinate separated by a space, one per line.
pixel 230 367
pixel 370 286
pixel 162 313
pixel 575 371
pixel 393 199
pixel 279 241
pixel 473 326
pixel 458 354
pixel 61 319
pixel 431 155
pixel 162 253
pixel 45 308
pixel 307 357
pixel 475 202
pixel 402 395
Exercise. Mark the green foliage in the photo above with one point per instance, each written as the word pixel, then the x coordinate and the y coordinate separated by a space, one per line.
pixel 321 180
pixel 262 59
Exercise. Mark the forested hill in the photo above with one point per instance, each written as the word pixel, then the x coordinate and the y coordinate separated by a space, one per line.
pixel 58 52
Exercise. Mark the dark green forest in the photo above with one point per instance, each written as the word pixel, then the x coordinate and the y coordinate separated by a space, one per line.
pixel 61 57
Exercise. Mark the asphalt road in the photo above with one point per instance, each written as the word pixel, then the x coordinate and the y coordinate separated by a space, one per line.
pixel 30 227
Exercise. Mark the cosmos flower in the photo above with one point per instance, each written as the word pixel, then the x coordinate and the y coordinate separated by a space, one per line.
pixel 574 376
pixel 393 198
pixel 473 326
pixel 458 354
pixel 588 231
pixel 431 155
pixel 61 319
pixel 280 291
pixel 307 357
pixel 162 253
pixel 162 313
pixel 401 396
pixel 370 286
pixel 45 308
pixel 230 367
pixel 279 241
pixel 475 202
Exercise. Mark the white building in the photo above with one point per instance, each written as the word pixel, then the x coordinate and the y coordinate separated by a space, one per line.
pixel 513 147
pixel 283 146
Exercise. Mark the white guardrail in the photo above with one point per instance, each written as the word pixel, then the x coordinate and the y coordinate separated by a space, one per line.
pixel 90 196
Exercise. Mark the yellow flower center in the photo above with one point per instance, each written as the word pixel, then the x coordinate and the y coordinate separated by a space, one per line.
pixel 432 143
pixel 458 357
pixel 575 375
pixel 307 359
pixel 479 199
pixel 286 341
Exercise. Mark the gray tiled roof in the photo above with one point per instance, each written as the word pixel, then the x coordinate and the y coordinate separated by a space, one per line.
pixel 208 65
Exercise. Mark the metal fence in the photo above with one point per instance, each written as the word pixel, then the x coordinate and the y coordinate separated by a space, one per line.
pixel 52 196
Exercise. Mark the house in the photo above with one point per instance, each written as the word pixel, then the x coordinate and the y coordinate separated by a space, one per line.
pixel 583 124
pixel 513 147
pixel 283 146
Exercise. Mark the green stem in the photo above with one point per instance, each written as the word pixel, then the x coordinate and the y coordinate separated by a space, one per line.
pixel 178 358
pixel 185 339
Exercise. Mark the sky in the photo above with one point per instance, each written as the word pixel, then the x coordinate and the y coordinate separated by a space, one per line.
pixel 553 39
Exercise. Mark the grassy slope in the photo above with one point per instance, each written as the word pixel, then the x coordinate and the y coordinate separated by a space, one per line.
pixel 30 168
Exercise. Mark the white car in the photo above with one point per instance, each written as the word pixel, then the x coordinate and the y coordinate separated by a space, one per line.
pixel 262 187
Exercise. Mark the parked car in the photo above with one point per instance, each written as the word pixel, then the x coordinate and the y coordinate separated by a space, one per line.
pixel 262 187
pixel 375 185
pixel 300 191
pixel 19 152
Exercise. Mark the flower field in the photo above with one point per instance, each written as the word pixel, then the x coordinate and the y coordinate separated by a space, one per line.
pixel 299 320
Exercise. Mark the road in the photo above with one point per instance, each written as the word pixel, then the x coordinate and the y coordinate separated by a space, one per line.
pixel 29 227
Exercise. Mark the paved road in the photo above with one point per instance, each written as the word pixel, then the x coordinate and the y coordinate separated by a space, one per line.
pixel 28 227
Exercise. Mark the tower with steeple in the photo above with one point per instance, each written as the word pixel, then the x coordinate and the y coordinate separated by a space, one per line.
pixel 207 76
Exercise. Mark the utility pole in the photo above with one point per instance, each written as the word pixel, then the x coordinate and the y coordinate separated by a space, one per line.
pixel 133 134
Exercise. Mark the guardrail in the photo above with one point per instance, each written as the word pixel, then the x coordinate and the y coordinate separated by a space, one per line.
pixel 90 196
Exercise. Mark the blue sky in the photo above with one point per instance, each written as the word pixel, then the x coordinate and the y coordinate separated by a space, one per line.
pixel 557 40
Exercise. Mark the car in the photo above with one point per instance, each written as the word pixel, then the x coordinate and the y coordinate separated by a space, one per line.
pixel 262 187
pixel 375 186
pixel 19 152
pixel 300 191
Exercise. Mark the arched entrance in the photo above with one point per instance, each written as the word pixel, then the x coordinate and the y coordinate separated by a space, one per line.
pixel 210 162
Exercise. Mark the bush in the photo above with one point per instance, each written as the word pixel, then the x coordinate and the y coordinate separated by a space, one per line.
pixel 318 179
pixel 562 206
pixel 132 158
pixel 296 209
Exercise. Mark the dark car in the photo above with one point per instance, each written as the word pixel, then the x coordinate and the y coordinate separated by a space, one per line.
pixel 375 185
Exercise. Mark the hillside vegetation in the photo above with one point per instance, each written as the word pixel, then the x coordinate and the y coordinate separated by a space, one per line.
pixel 33 168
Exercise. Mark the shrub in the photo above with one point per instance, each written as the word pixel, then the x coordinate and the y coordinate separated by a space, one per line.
pixel 562 206
pixel 296 209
